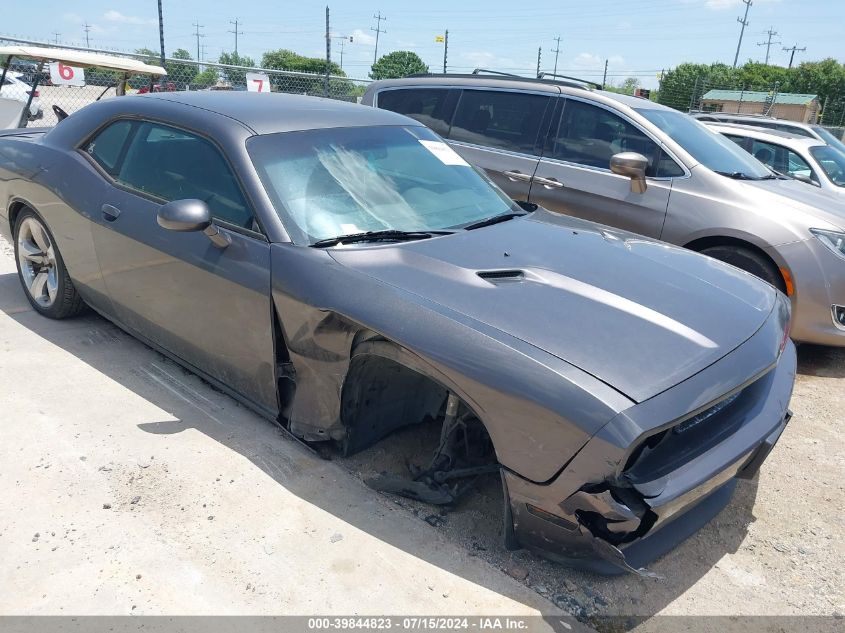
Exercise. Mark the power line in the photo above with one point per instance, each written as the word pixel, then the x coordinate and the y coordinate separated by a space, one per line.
pixel 539 56
pixel 378 30
pixel 56 35
pixel 768 43
pixel 556 51
pixel 744 22
pixel 87 28
pixel 236 32
pixel 793 49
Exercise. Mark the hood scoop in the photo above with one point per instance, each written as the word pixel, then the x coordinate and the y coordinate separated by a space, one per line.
pixel 501 276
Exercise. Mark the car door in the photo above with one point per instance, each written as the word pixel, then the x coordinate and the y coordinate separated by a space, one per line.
pixel 498 130
pixel 574 177
pixel 208 306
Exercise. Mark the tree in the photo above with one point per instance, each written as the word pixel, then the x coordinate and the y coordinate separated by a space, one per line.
pixel 206 78
pixel 234 75
pixel 181 74
pixel 398 64
pixel 629 86
pixel 284 59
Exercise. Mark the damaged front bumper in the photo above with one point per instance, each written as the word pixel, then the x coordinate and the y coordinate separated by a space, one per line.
pixel 637 489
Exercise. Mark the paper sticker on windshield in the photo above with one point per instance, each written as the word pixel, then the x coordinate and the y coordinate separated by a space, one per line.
pixel 444 153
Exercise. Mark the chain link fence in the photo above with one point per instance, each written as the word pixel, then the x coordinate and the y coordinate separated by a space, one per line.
pixel 181 75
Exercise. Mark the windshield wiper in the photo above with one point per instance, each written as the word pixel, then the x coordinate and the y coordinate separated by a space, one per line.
pixel 736 175
pixel 503 217
pixel 393 235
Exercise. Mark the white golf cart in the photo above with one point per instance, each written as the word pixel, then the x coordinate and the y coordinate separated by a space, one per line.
pixel 66 68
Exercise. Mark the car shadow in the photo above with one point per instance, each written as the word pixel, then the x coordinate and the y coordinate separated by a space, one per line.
pixel 625 599
pixel 818 360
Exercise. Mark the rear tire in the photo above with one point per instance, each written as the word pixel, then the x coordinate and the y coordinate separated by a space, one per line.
pixel 749 261
pixel 42 270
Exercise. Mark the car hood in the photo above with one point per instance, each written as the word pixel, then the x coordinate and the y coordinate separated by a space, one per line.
pixel 813 202
pixel 639 315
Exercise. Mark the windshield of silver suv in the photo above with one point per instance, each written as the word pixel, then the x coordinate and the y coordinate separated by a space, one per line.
pixel 712 150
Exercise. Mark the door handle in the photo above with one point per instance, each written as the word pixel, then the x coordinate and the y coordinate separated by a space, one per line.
pixel 549 183
pixel 516 176
pixel 110 212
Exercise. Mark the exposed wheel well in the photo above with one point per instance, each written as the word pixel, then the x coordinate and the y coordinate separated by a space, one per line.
pixel 723 240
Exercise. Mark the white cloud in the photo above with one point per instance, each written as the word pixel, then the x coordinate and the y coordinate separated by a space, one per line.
pixel 591 61
pixel 72 17
pixel 362 37
pixel 117 16
pixel 486 59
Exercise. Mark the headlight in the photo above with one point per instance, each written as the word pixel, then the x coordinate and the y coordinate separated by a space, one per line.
pixel 834 240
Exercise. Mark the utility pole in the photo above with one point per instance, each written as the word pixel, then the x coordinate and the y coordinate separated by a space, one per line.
pixel 343 39
pixel 604 79
pixel 445 50
pixel 56 35
pixel 161 32
pixel 236 32
pixel 539 55
pixel 744 22
pixel 87 28
pixel 378 30
pixel 792 53
pixel 199 35
pixel 328 52
pixel 556 51
pixel 768 43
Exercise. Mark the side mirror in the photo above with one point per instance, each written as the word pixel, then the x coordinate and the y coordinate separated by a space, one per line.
pixel 190 215
pixel 631 165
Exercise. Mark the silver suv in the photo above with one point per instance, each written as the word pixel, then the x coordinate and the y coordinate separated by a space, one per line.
pixel 634 164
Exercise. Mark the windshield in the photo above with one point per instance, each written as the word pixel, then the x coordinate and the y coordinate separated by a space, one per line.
pixel 832 162
pixel 709 148
pixel 829 138
pixel 342 181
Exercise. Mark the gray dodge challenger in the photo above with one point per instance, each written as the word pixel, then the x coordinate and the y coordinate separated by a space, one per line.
pixel 343 272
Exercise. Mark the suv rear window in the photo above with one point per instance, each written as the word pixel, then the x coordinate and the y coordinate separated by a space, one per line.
pixel 508 120
pixel 430 106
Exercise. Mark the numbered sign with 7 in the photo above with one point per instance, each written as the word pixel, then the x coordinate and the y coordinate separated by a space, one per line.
pixel 63 75
pixel 257 82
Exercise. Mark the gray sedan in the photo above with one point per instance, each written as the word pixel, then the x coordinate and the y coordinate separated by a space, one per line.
pixel 343 272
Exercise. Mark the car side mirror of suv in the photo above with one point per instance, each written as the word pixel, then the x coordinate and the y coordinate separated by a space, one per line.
pixel 633 166
pixel 190 215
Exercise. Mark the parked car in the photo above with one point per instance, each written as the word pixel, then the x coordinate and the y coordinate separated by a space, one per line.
pixel 806 159
pixel 809 130
pixel 349 274
pixel 15 87
pixel 640 166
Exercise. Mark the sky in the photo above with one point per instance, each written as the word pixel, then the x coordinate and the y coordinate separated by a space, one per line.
pixel 637 37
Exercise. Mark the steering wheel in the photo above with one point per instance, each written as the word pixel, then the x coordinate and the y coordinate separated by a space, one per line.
pixel 61 115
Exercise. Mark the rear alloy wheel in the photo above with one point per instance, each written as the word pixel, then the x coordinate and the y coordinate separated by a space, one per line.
pixel 749 261
pixel 42 271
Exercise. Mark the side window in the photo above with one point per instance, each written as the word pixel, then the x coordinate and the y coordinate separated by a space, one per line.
pixel 666 167
pixel 739 140
pixel 590 135
pixel 105 148
pixel 173 165
pixel 509 120
pixel 430 106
